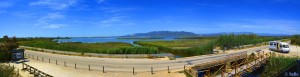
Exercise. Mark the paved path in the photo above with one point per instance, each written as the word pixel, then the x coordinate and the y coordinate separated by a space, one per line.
pixel 126 65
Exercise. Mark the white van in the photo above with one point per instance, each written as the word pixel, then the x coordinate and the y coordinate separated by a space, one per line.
pixel 279 46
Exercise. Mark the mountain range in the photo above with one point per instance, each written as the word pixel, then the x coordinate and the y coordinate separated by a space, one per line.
pixel 176 34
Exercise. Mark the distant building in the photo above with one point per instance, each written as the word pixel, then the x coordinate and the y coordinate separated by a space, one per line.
pixel 18 54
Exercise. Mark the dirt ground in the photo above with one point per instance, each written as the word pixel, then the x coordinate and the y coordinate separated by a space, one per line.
pixel 61 71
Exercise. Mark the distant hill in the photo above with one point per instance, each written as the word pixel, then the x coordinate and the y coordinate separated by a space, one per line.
pixel 238 33
pixel 166 34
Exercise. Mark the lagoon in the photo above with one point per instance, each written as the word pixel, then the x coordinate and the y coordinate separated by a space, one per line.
pixel 109 39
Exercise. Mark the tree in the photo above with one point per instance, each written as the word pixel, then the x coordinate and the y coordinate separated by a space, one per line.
pixel 7 47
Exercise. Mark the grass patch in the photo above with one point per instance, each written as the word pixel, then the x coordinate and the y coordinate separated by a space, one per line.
pixel 6 71
pixel 192 47
pixel 104 48
pixel 276 64
pixel 177 44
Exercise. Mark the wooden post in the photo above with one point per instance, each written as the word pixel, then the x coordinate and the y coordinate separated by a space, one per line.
pixel 56 62
pixel 18 73
pixel 22 65
pixel 43 59
pixel 37 57
pixel 168 69
pixel 34 71
pixel 89 67
pixel 151 70
pixel 65 63
pixel 30 70
pixel 133 70
pixel 103 69
pixel 49 60
pixel 235 71
pixel 184 67
pixel 75 65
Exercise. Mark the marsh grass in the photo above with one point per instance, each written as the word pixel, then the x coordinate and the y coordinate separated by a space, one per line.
pixel 276 64
pixel 104 48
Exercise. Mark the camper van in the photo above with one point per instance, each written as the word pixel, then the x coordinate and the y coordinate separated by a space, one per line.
pixel 279 46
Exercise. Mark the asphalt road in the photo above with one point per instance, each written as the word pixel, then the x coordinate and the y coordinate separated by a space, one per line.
pixel 126 65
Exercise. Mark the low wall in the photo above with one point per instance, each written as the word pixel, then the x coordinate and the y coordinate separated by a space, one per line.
pixel 101 55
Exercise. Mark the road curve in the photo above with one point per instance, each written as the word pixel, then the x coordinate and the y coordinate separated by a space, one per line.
pixel 126 65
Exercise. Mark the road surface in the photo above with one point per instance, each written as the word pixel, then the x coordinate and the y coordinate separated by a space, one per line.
pixel 126 65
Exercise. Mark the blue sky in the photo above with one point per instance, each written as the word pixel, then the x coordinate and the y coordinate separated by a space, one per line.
pixel 25 18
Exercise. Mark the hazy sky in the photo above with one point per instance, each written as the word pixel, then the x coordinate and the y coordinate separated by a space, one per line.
pixel 121 17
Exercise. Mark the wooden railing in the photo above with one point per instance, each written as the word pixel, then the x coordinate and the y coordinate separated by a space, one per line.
pixel 34 71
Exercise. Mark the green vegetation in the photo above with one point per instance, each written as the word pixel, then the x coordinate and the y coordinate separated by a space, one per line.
pixel 295 39
pixel 6 71
pixel 104 48
pixel 6 47
pixel 232 40
pixel 182 47
pixel 277 64
pixel 176 44
pixel 191 46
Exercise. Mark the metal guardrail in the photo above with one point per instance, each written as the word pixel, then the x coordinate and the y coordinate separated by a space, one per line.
pixel 34 71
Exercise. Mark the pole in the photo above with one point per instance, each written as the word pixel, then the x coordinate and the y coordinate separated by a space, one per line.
pixel 168 69
pixel 75 65
pixel 65 63
pixel 37 57
pixel 43 59
pixel 22 65
pixel 151 70
pixel 89 68
pixel 56 62
pixel 103 69
pixel 133 70
pixel 49 60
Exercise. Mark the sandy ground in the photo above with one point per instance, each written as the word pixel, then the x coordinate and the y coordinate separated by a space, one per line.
pixel 61 71
pixel 19 69
pixel 117 67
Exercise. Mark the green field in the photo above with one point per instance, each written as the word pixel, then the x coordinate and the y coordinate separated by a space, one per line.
pixel 189 47
pixel 177 44
pixel 105 48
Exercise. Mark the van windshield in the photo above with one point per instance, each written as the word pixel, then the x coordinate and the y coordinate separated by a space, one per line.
pixel 285 46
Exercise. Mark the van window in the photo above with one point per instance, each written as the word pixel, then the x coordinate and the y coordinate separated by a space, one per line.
pixel 285 46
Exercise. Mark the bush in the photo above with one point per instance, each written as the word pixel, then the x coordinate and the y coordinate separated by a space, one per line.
pixel 277 64
pixel 6 71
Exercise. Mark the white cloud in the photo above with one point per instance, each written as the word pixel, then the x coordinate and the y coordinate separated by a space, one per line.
pixel 54 4
pixel 116 9
pixel 45 21
pixel 100 1
pixel 115 21
pixel 264 25
pixel 54 26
